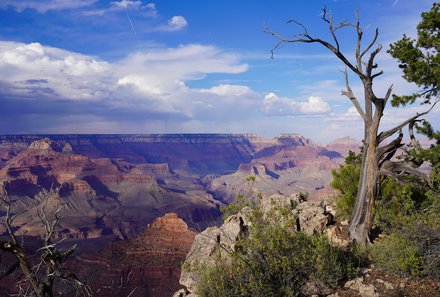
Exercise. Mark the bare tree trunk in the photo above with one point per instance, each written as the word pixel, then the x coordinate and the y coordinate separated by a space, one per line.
pixel 362 217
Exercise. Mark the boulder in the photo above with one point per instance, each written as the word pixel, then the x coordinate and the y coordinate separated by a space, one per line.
pixel 275 201
pixel 364 290
pixel 312 218
pixel 212 245
pixel 337 235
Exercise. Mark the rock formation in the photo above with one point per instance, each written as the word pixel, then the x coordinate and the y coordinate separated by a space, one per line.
pixel 216 243
pixel 101 177
pixel 147 265
pixel 344 145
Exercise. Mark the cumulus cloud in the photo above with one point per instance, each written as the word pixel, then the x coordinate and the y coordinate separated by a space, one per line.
pixel 43 6
pixel 65 74
pixel 274 105
pixel 176 23
pixel 150 84
pixel 351 115
pixel 127 4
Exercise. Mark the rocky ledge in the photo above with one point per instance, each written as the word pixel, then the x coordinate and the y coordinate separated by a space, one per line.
pixel 216 243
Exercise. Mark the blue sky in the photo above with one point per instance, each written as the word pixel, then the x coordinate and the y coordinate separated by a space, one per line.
pixel 194 66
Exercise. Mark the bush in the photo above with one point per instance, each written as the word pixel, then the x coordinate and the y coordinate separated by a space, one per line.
pixel 273 260
pixel 397 254
pixel 346 180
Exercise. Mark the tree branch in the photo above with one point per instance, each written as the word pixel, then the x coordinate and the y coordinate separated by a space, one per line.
pixel 349 93
pixel 386 152
pixel 330 23
pixel 376 34
pixel 358 43
pixel 399 169
pixel 370 63
pixel 385 134
pixel 309 39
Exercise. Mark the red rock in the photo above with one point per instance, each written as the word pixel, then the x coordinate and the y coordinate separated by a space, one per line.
pixel 149 263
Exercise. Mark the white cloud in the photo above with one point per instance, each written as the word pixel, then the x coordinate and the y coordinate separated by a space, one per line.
pixel 228 90
pixel 43 6
pixel 281 106
pixel 152 10
pixel 127 4
pixel 314 105
pixel 116 6
pixel 176 23
pixel 152 81
pixel 351 115
pixel 67 74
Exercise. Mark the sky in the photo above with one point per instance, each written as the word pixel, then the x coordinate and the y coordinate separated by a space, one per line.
pixel 191 66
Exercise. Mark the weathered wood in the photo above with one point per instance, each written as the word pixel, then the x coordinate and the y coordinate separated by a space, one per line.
pixel 374 157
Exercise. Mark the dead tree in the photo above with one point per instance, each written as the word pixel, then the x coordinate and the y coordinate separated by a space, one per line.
pixel 40 269
pixel 376 155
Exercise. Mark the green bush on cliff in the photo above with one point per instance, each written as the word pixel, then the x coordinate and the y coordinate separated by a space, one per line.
pixel 274 260
pixel 346 180
pixel 397 254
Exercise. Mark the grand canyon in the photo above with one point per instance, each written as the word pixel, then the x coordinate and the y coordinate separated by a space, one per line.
pixel 133 203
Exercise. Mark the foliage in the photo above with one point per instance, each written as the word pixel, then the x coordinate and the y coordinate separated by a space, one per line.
pixel 274 260
pixel 397 254
pixel 420 58
pixel 408 210
pixel 407 213
pixel 346 180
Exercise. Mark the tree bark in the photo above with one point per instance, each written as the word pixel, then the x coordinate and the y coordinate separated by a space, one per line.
pixel 362 217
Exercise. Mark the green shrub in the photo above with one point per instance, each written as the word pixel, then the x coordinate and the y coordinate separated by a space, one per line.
pixel 397 254
pixel 346 180
pixel 273 260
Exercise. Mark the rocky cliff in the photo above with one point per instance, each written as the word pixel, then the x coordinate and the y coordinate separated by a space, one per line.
pixel 201 153
pixel 116 184
pixel 146 265
pixel 100 196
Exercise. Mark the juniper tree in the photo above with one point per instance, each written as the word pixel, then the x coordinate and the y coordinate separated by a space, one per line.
pixel 377 150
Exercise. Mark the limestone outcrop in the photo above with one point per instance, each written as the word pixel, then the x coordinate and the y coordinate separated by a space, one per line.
pixel 212 245
pixel 217 243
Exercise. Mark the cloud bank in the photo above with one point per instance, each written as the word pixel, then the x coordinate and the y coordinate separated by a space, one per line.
pixel 151 86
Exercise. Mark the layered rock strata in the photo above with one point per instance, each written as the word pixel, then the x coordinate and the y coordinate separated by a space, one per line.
pixel 147 265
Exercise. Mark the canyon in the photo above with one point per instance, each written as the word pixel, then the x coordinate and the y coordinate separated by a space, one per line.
pixel 133 203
